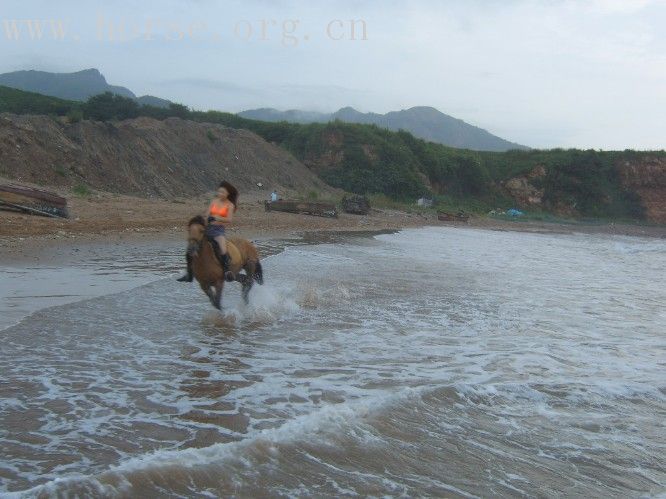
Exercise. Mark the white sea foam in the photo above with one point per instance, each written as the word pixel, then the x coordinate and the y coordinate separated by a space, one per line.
pixel 319 426
pixel 436 352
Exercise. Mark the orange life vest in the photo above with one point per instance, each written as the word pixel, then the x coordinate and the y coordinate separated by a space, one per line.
pixel 219 211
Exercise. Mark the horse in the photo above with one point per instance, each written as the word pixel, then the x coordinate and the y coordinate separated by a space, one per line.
pixel 207 270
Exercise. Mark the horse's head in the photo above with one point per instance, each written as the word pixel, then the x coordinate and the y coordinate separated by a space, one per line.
pixel 196 229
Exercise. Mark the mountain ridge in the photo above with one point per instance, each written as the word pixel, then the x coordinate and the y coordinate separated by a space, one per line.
pixel 424 122
pixel 76 86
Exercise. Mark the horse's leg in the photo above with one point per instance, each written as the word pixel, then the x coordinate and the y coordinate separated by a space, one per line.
pixel 258 274
pixel 248 281
pixel 247 286
pixel 217 300
pixel 206 289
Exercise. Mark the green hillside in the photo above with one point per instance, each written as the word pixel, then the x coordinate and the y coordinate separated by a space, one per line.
pixel 21 102
pixel 77 86
pixel 367 159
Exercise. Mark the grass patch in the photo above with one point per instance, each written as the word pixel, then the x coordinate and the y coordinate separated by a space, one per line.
pixel 81 190
pixel 382 201
pixel 74 115
pixel 454 205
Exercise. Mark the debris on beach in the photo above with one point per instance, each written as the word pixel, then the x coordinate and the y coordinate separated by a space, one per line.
pixel 303 208
pixel 33 201
pixel 356 205
pixel 444 216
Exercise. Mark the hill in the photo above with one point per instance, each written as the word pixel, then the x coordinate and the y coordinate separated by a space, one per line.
pixel 291 116
pixel 358 158
pixel 21 102
pixel 423 122
pixel 145 157
pixel 78 86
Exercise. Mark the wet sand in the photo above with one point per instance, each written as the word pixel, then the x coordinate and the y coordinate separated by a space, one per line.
pixel 107 220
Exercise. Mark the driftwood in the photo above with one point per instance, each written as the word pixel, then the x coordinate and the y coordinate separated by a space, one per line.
pixel 32 201
pixel 303 208
pixel 443 216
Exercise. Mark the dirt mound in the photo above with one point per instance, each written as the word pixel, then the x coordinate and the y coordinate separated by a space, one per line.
pixel 145 157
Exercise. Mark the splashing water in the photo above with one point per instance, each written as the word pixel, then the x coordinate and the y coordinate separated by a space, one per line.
pixel 430 362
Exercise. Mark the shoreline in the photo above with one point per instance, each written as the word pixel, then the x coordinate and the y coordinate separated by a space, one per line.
pixel 78 271
pixel 117 221
pixel 60 247
pixel 53 262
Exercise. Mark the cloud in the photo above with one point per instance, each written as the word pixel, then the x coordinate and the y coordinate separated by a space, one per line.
pixel 587 73
pixel 620 6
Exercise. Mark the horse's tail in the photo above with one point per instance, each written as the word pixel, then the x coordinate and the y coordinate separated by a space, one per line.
pixel 258 273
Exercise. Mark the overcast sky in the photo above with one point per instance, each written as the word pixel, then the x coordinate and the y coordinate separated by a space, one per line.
pixel 545 73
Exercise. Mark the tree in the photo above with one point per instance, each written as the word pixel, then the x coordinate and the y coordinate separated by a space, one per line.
pixel 108 106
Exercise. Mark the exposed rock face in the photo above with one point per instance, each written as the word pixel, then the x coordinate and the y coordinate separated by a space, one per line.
pixel 331 156
pixel 523 190
pixel 145 157
pixel 647 178
pixel 369 152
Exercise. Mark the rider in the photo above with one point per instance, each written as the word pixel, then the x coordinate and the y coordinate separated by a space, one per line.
pixel 219 212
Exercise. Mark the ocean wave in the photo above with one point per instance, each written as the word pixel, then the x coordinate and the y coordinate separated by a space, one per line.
pixel 322 426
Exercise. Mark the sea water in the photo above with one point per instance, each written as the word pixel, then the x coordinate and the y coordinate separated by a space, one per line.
pixel 438 361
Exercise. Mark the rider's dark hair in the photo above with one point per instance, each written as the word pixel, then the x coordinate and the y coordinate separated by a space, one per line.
pixel 233 193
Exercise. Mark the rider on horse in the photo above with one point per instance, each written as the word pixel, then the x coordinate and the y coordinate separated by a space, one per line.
pixel 220 211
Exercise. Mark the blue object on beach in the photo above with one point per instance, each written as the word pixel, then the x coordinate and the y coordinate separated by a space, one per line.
pixel 514 213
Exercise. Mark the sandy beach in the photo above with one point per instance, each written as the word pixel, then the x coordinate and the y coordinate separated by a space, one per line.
pixel 110 219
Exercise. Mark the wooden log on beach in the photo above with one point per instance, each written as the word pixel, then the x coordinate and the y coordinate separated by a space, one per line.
pixel 303 208
pixel 33 201
pixel 443 216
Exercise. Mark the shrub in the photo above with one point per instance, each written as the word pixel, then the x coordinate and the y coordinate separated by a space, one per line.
pixel 108 106
pixel 75 115
pixel 81 190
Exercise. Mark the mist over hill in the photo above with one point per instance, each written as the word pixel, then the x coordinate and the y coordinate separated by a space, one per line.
pixel 78 86
pixel 424 122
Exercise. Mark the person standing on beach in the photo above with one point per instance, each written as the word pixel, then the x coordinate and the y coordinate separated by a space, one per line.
pixel 220 212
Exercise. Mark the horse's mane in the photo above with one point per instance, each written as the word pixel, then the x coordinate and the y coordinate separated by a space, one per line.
pixel 198 220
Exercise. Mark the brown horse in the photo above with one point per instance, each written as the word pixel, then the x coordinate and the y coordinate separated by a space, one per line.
pixel 207 269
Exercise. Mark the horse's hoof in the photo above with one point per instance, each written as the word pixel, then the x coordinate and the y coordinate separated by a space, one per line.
pixel 229 276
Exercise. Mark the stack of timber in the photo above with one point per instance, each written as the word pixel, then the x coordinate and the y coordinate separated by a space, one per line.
pixel 303 208
pixel 33 201
pixel 443 216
